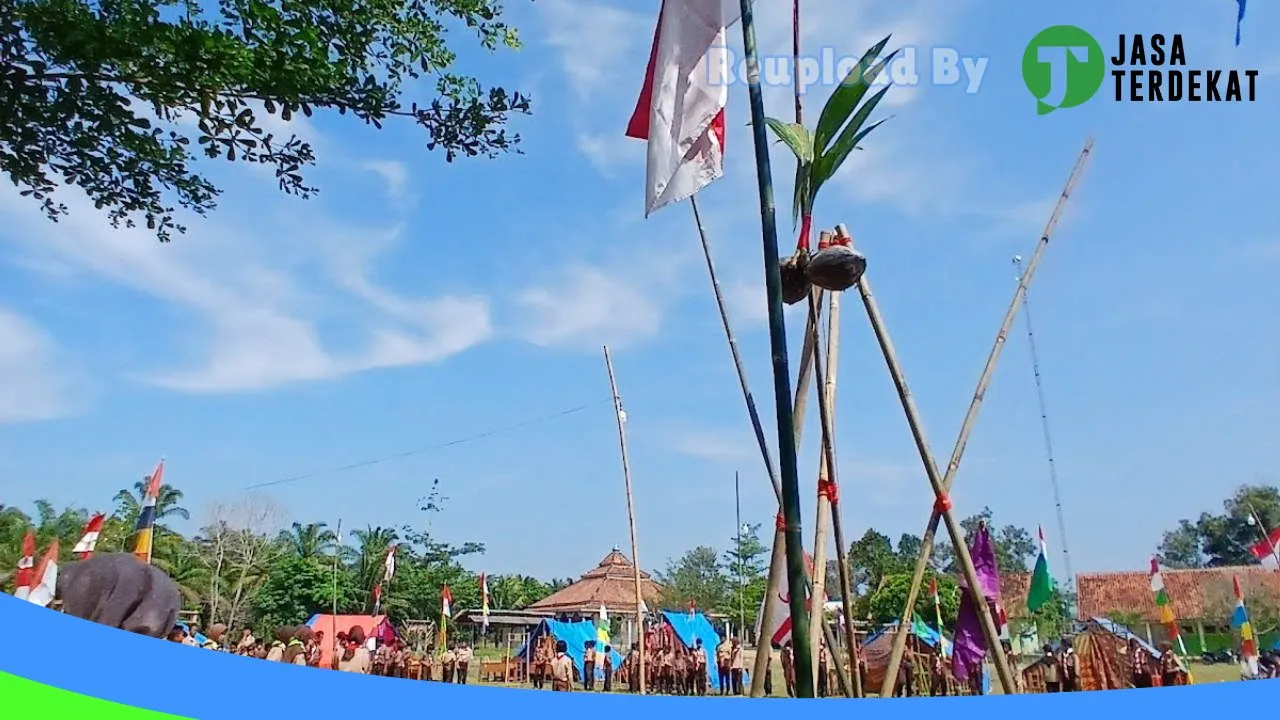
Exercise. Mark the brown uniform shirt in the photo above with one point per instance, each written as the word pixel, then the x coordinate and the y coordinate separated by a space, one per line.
pixel 562 673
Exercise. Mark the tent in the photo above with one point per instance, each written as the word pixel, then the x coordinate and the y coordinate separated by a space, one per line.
pixel 1102 652
pixel 690 628
pixel 575 635
pixel 374 626
pixel 878 646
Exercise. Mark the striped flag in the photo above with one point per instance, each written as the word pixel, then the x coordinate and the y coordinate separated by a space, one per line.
pixel 1240 621
pixel 145 528
pixel 26 567
pixel 446 602
pixel 484 600
pixel 1163 606
pixel 45 583
pixel 1239 18
pixel 1265 550
pixel 89 540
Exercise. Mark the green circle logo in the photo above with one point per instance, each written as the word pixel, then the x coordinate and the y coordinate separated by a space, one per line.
pixel 1063 67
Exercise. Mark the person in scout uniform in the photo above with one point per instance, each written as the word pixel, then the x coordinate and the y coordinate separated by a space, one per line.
pixel 736 665
pixel 699 668
pixel 561 669
pixel 449 664
pixel 463 657
pixel 213 640
pixel 1070 667
pixel 313 649
pixel 295 651
pixel 789 668
pixel 632 666
pixel 382 660
pixel 589 665
pixel 355 656
pixel 723 651
pixel 608 668
pixel 540 668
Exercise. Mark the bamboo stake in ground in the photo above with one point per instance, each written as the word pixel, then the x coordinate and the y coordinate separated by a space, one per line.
pixel 975 404
pixel 631 512
pixel 826 396
pixel 846 586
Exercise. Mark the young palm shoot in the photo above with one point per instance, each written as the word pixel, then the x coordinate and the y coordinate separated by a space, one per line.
pixel 819 156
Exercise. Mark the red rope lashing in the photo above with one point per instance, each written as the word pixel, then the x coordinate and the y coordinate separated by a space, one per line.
pixel 829 490
pixel 780 523
pixel 942 504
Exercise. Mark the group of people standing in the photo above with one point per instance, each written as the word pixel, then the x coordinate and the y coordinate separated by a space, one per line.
pixel 1147 670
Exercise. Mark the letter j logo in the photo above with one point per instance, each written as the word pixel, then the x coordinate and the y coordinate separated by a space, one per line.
pixel 1063 67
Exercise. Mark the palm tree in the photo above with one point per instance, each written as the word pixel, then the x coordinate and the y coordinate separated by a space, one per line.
pixel 129 504
pixel 310 540
pixel 187 572
pixel 371 550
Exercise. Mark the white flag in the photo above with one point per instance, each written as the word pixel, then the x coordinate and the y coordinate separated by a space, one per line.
pixel 681 108
pixel 45 583
pixel 390 564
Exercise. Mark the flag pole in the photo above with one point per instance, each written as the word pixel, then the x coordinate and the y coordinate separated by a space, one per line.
pixel 781 373
pixel 631 512
pixel 971 415
pixel 337 555
pixel 742 600
pixel 1264 532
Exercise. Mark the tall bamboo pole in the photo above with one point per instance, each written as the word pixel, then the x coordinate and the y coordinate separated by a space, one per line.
pixel 975 404
pixel 967 569
pixel 846 586
pixel 826 397
pixel 781 374
pixel 777 563
pixel 631 512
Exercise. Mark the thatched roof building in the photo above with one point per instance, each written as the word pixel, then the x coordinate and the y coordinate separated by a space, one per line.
pixel 611 583
pixel 1197 595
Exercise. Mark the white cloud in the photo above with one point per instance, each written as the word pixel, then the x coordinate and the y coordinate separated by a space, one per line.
pixel 589 308
pixel 609 151
pixel 396 176
pixel 712 445
pixel 254 317
pixel 594 40
pixel 31 384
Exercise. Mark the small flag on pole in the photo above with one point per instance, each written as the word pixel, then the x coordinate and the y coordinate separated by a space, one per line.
pixel 1163 606
pixel 1265 550
pixel 1041 588
pixel 681 108
pixel 145 528
pixel 1240 621
pixel 484 600
pixel 23 578
pixel 45 583
pixel 389 565
pixel 446 602
pixel 89 540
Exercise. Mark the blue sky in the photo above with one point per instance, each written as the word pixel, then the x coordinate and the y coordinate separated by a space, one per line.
pixel 413 302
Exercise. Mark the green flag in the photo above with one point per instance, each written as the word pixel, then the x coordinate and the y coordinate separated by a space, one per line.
pixel 1041 583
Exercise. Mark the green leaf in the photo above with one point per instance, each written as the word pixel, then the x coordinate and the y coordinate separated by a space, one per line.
pixel 795 136
pixel 828 164
pixel 802 202
pixel 848 94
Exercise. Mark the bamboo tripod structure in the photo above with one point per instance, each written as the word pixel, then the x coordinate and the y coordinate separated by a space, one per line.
pixel 822 516
pixel 943 486
pixel 631 513
pixel 777 564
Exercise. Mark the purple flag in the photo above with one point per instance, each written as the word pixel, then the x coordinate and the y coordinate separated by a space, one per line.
pixel 970 646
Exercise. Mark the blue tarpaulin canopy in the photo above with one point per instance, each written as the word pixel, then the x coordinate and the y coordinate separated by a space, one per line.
pixel 575 636
pixel 691 628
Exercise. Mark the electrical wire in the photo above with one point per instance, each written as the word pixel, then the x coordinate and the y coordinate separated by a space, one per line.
pixel 429 448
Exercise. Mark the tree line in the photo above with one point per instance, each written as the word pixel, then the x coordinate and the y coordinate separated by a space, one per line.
pixel 239 569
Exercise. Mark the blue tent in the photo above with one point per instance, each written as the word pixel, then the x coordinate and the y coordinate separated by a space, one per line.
pixel 575 635
pixel 690 628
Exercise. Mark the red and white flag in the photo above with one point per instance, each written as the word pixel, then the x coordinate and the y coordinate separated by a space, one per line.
pixel 84 549
pixel 779 626
pixel 26 567
pixel 45 583
pixel 681 107
pixel 446 602
pixel 1266 550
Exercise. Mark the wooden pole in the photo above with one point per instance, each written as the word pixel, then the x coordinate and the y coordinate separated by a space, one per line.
pixel 846 586
pixel 826 397
pixel 967 569
pixel 631 513
pixel 337 555
pixel 975 404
